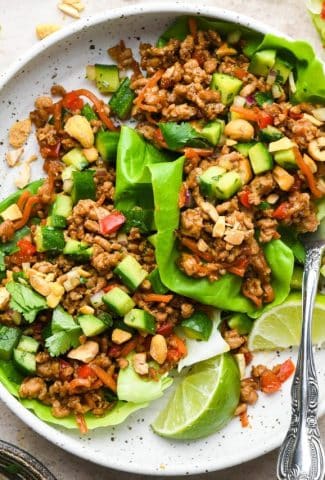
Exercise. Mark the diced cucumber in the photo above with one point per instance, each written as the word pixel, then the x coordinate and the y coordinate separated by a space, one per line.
pixel 62 206
pixel 262 62
pixel 25 361
pixel 119 323
pixel 260 158
pixel 91 325
pixel 88 112
pixel 227 185
pixel 141 320
pixel 130 272
pixel 212 131
pixel 49 239
pixel 283 69
pixel 244 148
pixel 56 221
pixel 227 85
pixel 106 143
pixel 75 158
pixel 286 158
pixel 106 77
pixel 83 186
pixel 198 326
pixel 241 322
pixel 270 134
pixel 122 100
pixel 81 251
pixel 9 338
pixel 118 301
pixel 207 180
pixel 28 344
pixel 156 283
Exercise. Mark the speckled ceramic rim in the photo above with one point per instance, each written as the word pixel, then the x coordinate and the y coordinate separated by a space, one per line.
pixel 51 433
pixel 28 467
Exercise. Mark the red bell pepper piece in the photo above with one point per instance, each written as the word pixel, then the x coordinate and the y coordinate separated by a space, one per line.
pixel 322 13
pixel 26 247
pixel 270 383
pixel 51 151
pixel 264 119
pixel 85 371
pixel 111 223
pixel 165 329
pixel 244 198
pixel 281 212
pixel 286 370
pixel 72 102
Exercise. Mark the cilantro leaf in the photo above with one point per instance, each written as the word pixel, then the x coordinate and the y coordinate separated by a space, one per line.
pixel 62 320
pixel 182 135
pixel 60 342
pixel 24 300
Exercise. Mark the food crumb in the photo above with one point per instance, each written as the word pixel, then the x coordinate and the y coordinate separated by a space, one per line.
pixel 45 29
pixel 13 157
pixel 19 132
pixel 24 176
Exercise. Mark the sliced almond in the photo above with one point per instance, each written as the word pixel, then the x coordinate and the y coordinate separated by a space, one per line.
pixel 69 10
pixel 312 120
pixel 85 353
pixel 219 227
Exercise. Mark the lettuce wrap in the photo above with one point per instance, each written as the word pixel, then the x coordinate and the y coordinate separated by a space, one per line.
pixel 308 71
pixel 11 378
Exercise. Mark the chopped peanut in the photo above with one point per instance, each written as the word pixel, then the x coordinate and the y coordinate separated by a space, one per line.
pixel 79 128
pixel 39 284
pixel 219 227
pixel 158 349
pixel 19 132
pixel 234 237
pixel 4 298
pixel 120 336
pixel 53 300
pixel 13 157
pixel 85 353
pixel 140 364
pixel 45 29
pixel 86 310
pixel 283 178
pixel 91 154
pixel 69 10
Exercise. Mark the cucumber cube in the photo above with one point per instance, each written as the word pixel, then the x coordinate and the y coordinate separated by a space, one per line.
pixel 130 272
pixel 227 85
pixel 91 325
pixel 260 158
pixel 140 319
pixel 28 344
pixel 118 301
pixel 25 361
pixel 262 62
pixel 9 338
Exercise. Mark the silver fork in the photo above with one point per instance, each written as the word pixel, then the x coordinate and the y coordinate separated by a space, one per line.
pixel 301 455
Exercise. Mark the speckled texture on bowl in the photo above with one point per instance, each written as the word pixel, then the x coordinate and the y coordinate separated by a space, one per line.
pixel 132 446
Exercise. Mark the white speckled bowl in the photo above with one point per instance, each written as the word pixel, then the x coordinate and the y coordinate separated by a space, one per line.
pixel 132 446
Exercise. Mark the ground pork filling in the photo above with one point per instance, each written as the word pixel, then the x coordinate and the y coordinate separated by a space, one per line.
pixel 172 84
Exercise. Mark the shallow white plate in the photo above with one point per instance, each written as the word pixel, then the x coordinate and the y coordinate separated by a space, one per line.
pixel 132 446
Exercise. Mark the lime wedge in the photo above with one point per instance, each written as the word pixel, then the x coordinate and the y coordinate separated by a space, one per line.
pixel 281 326
pixel 203 402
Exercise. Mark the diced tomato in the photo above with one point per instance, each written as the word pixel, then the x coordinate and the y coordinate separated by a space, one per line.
pixel 295 115
pixel 281 212
pixel 240 73
pixel 165 329
pixel 26 247
pixel 270 383
pixel 72 102
pixel 264 119
pixel 322 13
pixel 111 223
pixel 85 371
pixel 51 151
pixel 244 198
pixel 286 370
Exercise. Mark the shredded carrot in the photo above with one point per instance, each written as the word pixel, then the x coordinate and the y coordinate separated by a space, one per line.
pixel 244 419
pixel 152 81
pixel 81 422
pixel 105 377
pixel 57 114
pixel 128 347
pixel 22 200
pixel 27 211
pixel 99 107
pixel 177 342
pixel 195 152
pixel 192 25
pixel 192 245
pixel 245 113
pixel 240 73
pixel 307 173
pixel 156 297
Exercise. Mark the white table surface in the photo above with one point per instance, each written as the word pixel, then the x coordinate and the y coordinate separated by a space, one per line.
pixel 18 19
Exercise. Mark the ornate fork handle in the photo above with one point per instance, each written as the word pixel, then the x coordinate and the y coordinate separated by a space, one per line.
pixel 301 455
